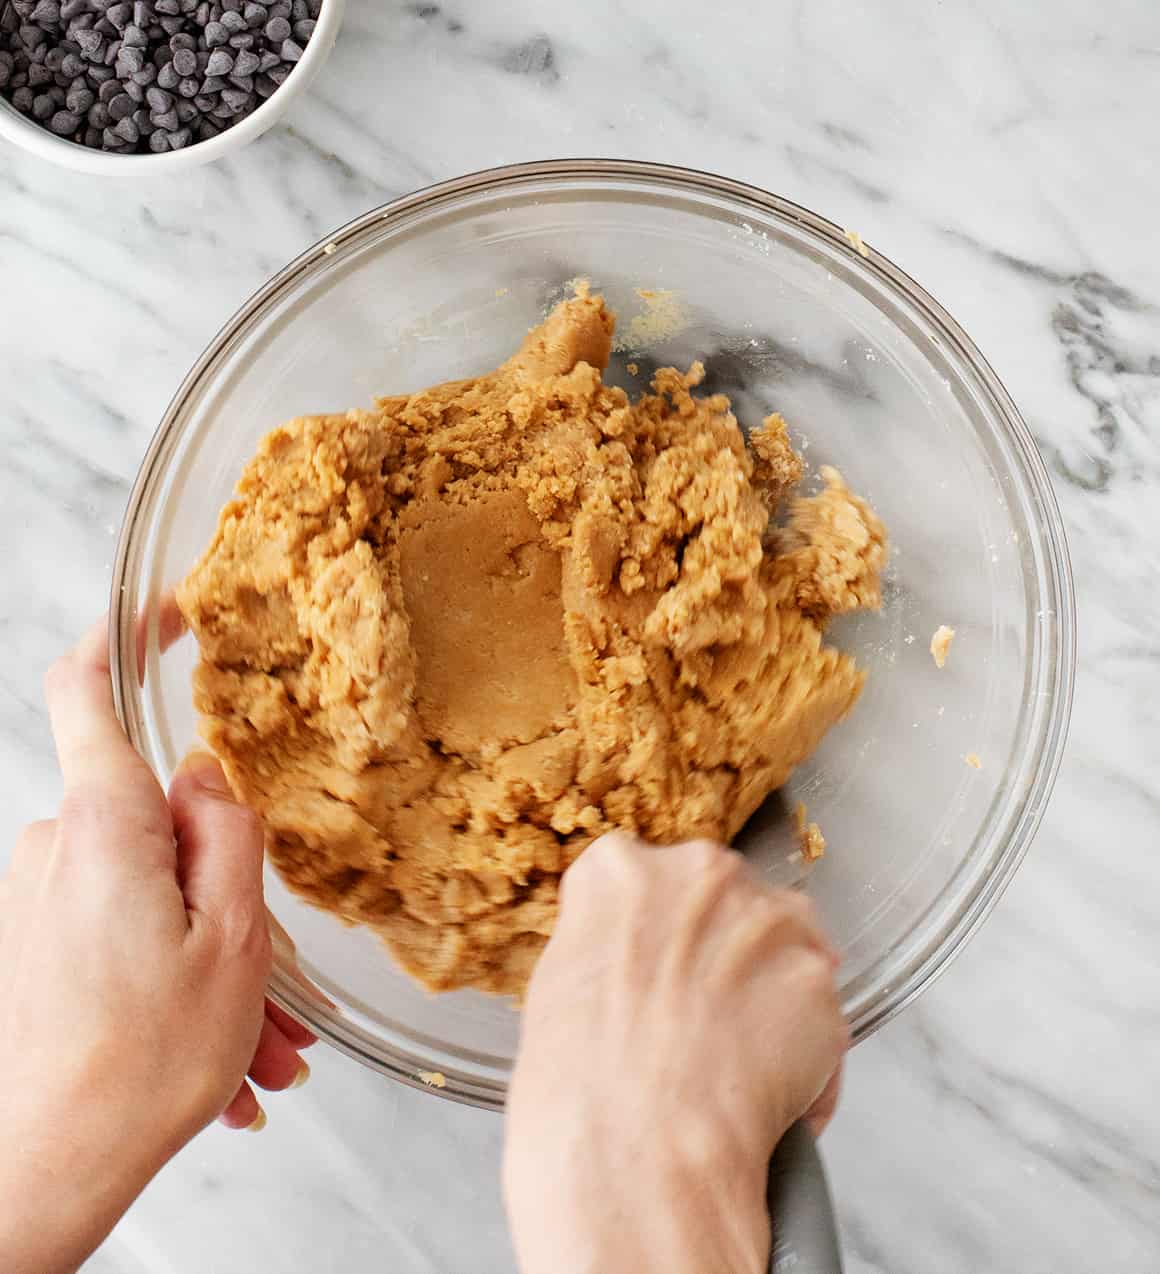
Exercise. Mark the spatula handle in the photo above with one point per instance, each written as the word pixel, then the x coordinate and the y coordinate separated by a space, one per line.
pixel 805 1232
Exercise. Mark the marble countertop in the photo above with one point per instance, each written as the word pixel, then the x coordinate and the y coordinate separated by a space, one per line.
pixel 1006 157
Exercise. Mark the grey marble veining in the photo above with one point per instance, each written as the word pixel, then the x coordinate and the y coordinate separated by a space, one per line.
pixel 1006 157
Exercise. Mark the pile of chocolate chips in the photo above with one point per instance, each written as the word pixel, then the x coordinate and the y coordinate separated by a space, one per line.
pixel 137 76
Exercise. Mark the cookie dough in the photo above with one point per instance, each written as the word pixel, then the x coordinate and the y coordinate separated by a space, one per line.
pixel 940 645
pixel 448 641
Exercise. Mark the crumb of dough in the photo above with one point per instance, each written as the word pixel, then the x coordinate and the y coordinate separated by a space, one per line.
pixel 502 291
pixel 665 315
pixel 811 842
pixel 447 641
pixel 329 249
pixel 940 645
pixel 972 759
pixel 854 239
pixel 633 369
pixel 433 1079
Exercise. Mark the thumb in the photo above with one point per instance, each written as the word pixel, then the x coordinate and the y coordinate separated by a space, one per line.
pixel 219 842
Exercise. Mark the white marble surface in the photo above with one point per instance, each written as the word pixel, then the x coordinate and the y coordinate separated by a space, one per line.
pixel 1006 156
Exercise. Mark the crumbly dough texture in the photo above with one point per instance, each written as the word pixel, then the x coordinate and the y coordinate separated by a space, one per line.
pixel 448 641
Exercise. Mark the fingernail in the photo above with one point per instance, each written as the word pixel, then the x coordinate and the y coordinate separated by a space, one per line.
pixel 207 773
pixel 259 1121
pixel 302 1076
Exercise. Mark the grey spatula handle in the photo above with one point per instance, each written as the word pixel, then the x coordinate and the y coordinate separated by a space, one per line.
pixel 805 1233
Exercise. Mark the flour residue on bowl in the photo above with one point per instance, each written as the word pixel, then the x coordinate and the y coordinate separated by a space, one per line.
pixel 666 314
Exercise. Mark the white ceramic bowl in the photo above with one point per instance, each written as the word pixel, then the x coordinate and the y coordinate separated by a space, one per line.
pixel 37 140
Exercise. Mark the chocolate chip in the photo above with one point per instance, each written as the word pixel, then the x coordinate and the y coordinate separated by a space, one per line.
pixel 185 62
pixel 121 106
pixel 128 131
pixel 246 63
pixel 91 44
pixel 78 100
pixel 129 61
pixel 65 123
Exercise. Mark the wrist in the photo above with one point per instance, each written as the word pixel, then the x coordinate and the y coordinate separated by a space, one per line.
pixel 60 1195
pixel 680 1195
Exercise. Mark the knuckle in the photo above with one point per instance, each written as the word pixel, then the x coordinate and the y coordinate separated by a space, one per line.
pixel 719 875
pixel 704 855
pixel 807 978
pixel 613 855
pixel 795 903
pixel 815 974
pixel 799 912
pixel 243 934
pixel 94 815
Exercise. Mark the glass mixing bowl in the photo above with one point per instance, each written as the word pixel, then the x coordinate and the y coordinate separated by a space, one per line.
pixel 787 314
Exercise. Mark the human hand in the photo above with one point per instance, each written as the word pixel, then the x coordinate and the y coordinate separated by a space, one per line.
pixel 134 955
pixel 682 1016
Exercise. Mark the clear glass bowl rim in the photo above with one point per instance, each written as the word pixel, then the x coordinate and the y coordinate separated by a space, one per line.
pixel 1047 740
